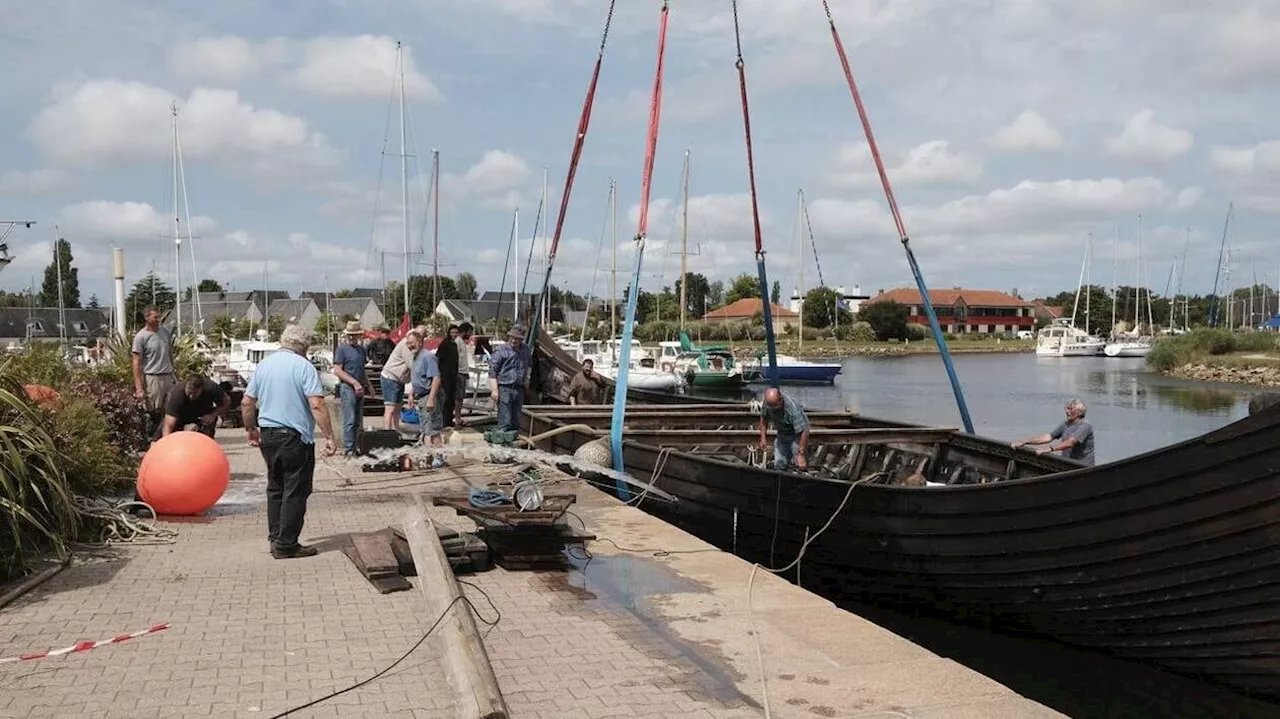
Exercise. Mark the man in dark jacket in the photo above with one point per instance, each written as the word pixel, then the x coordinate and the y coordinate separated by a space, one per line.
pixel 447 359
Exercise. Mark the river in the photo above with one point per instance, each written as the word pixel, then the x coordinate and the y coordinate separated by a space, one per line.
pixel 1012 396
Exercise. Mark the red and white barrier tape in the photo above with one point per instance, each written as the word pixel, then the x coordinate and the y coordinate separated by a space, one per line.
pixel 85 646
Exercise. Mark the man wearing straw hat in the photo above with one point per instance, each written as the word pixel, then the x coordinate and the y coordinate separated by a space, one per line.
pixel 508 366
pixel 349 366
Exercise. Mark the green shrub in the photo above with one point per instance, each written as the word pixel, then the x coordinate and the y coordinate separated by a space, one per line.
pixel 1164 356
pixel 92 461
pixel 37 507
pixel 917 333
pixel 41 363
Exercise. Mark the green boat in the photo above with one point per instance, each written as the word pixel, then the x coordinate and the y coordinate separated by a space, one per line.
pixel 706 368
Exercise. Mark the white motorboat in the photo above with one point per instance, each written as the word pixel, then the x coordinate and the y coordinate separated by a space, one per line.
pixel 1065 340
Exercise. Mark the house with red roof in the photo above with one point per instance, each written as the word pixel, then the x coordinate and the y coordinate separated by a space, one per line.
pixel 962 311
pixel 746 310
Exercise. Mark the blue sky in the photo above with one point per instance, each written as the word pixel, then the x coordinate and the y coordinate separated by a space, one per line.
pixel 1012 129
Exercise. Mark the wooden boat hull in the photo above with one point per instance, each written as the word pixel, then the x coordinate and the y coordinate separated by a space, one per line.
pixel 1170 558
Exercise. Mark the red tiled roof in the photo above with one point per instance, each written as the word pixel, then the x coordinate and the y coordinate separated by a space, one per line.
pixel 945 298
pixel 1050 310
pixel 746 308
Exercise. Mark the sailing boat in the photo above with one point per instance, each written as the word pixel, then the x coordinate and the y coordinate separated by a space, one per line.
pixel 1063 338
pixel 643 372
pixel 793 370
pixel 1133 343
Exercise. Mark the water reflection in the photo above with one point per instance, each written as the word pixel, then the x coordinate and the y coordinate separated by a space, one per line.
pixel 1201 400
pixel 1011 396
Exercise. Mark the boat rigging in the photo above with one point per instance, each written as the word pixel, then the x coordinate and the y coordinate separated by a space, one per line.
pixel 6 228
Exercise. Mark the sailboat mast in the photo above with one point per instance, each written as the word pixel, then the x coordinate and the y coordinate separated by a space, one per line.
pixel 1137 282
pixel 515 257
pixel 435 229
pixel 800 242
pixel 404 174
pixel 177 234
pixel 1115 281
pixel 684 243
pixel 613 284
pixel 544 310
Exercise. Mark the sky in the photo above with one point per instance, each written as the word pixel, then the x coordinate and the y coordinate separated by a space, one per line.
pixel 1012 131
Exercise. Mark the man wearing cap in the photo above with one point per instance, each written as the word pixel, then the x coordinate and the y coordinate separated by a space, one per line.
pixel 349 366
pixel 508 366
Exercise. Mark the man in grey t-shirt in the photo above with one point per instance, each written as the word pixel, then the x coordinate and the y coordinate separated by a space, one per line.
pixel 1074 436
pixel 153 376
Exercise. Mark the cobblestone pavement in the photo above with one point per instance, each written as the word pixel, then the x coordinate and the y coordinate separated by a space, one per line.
pixel 253 636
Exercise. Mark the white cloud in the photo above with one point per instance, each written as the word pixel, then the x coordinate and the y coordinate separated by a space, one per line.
pixel 1242 45
pixel 931 164
pixel 1032 205
pixel 226 59
pixel 1029 131
pixel 34 183
pixel 112 122
pixel 1260 162
pixel 354 66
pixel 360 67
pixel 1144 140
pixel 497 171
pixel 123 224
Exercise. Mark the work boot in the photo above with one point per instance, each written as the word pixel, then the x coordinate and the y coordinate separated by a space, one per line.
pixel 294 552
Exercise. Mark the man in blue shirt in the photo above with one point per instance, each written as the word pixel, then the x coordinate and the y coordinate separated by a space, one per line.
pixel 349 366
pixel 507 368
pixel 282 406
pixel 792 426
pixel 1075 436
pixel 426 387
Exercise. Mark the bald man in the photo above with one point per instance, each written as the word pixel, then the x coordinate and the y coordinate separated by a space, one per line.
pixel 791 425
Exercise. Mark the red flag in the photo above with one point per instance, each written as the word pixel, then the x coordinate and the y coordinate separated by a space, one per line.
pixel 398 333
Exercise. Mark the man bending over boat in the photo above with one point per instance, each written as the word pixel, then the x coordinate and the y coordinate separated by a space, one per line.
pixel 1074 436
pixel 791 425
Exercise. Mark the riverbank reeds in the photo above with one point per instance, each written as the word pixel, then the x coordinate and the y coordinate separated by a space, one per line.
pixel 1199 344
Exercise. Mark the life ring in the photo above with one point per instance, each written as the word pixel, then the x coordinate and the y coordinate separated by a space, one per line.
pixel 668 367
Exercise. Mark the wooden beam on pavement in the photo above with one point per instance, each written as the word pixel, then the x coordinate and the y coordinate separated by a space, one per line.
pixel 476 691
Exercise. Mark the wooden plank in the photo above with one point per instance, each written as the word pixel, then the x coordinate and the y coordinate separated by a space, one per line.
pixel 476 691
pixel 376 555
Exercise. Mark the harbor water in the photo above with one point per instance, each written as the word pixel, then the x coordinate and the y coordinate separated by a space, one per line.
pixel 1013 396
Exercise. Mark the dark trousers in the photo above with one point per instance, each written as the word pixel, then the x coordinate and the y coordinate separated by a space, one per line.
pixel 449 396
pixel 291 466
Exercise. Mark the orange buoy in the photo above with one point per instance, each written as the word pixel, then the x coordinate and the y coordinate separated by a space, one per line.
pixel 41 395
pixel 183 474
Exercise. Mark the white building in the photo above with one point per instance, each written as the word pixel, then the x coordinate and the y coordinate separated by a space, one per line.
pixel 851 301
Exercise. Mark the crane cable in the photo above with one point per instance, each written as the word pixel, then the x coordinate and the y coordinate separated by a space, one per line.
pixel 939 338
pixel 765 309
pixel 584 122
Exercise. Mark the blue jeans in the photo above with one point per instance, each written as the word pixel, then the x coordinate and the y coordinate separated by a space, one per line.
pixel 785 449
pixel 510 402
pixel 352 415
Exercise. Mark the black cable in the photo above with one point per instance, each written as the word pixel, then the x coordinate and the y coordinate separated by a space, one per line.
pixel 402 657
pixel 619 547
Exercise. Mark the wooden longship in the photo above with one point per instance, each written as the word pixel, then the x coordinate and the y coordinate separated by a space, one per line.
pixel 1170 558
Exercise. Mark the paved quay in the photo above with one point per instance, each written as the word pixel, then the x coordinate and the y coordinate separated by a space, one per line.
pixel 625 633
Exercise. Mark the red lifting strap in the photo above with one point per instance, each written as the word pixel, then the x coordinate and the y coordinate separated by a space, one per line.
pixel 866 125
pixel 655 116
pixel 583 123
pixel 746 123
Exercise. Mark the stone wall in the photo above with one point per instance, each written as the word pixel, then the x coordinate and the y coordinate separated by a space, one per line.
pixel 1260 376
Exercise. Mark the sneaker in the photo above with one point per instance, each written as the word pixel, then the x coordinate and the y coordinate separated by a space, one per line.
pixel 437 462
pixel 298 550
